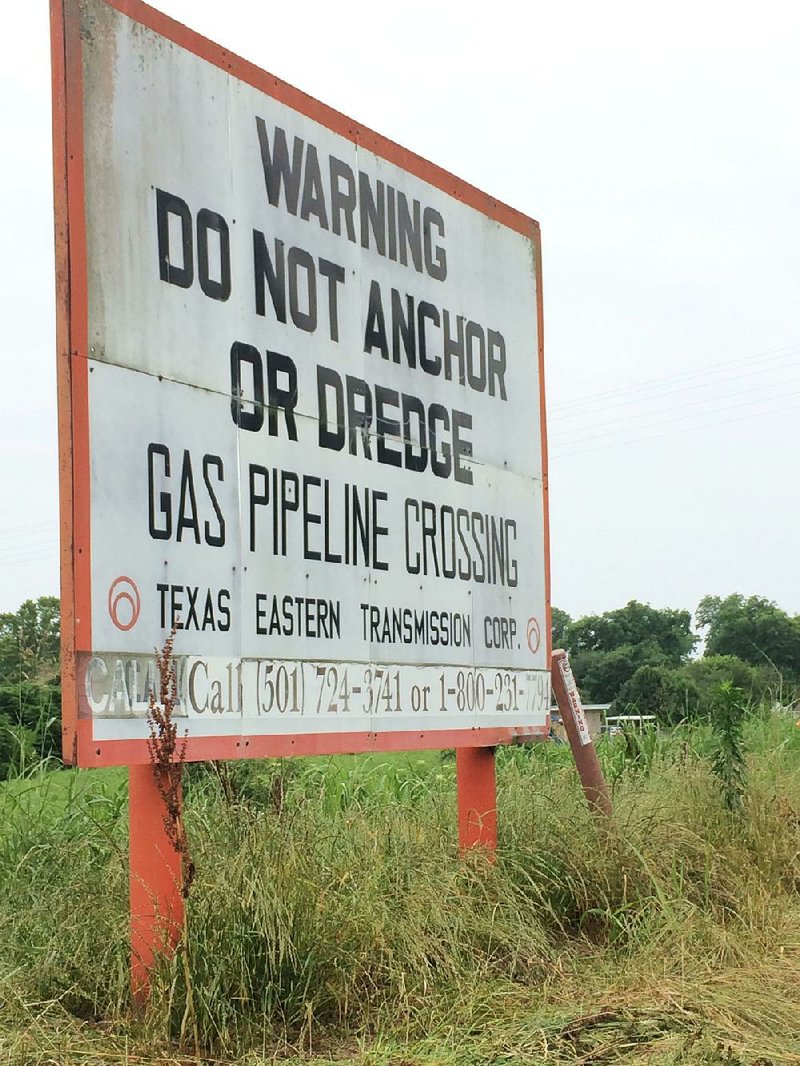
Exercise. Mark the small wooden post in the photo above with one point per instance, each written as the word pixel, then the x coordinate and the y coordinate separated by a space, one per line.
pixel 157 911
pixel 583 750
pixel 477 798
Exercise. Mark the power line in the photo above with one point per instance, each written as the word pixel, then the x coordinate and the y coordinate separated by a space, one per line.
pixel 31 541
pixel 669 432
pixel 656 397
pixel 622 426
pixel 714 371
pixel 15 532
pixel 29 559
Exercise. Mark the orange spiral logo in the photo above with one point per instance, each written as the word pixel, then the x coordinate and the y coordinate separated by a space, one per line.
pixel 534 635
pixel 124 603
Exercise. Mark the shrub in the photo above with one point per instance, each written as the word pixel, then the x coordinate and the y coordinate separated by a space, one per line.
pixel 660 691
pixel 755 682
pixel 728 763
pixel 35 708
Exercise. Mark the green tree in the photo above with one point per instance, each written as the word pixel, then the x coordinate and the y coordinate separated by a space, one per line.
pixel 34 708
pixel 709 673
pixel 30 641
pixel 661 691
pixel 560 623
pixel 755 630
pixel 636 624
pixel 30 699
pixel 606 650
pixel 601 674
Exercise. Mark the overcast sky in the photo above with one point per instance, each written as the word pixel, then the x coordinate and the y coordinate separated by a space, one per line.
pixel 658 147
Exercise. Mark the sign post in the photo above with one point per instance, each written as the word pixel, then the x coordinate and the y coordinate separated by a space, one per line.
pixel 477 798
pixel 301 424
pixel 156 878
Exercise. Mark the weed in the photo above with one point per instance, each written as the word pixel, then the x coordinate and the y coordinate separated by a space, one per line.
pixel 728 761
pixel 167 758
pixel 340 918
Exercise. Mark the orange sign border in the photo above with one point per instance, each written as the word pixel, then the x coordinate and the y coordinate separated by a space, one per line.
pixel 79 745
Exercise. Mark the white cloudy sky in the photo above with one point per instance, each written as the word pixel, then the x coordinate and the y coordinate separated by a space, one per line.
pixel 657 145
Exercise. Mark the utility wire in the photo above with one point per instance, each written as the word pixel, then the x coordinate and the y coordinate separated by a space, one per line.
pixel 669 432
pixel 621 425
pixel 714 371
pixel 695 387
pixel 31 541
pixel 14 532
pixel 30 558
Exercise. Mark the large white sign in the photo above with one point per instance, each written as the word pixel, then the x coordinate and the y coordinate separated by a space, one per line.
pixel 313 398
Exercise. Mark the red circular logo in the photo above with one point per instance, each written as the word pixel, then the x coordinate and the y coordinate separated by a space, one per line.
pixel 534 635
pixel 124 603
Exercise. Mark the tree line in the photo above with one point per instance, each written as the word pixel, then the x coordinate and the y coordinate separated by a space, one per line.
pixel 30 684
pixel 641 659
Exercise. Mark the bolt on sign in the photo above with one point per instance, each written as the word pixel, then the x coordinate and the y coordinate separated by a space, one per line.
pixel 301 416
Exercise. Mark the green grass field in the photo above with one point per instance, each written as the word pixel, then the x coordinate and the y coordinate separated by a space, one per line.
pixel 332 919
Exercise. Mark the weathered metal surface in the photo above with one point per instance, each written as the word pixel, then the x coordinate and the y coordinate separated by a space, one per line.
pixel 271 442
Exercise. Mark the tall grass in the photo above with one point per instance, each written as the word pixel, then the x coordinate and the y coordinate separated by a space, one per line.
pixel 332 910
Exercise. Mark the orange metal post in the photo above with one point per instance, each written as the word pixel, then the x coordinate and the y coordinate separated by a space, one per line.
pixel 583 750
pixel 477 798
pixel 155 880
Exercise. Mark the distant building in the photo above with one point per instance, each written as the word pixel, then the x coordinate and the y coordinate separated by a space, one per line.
pixel 595 715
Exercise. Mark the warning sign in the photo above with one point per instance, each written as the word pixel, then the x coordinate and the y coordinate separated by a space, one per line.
pixel 301 415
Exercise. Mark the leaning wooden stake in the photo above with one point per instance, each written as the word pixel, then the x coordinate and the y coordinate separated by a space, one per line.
pixel 580 739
